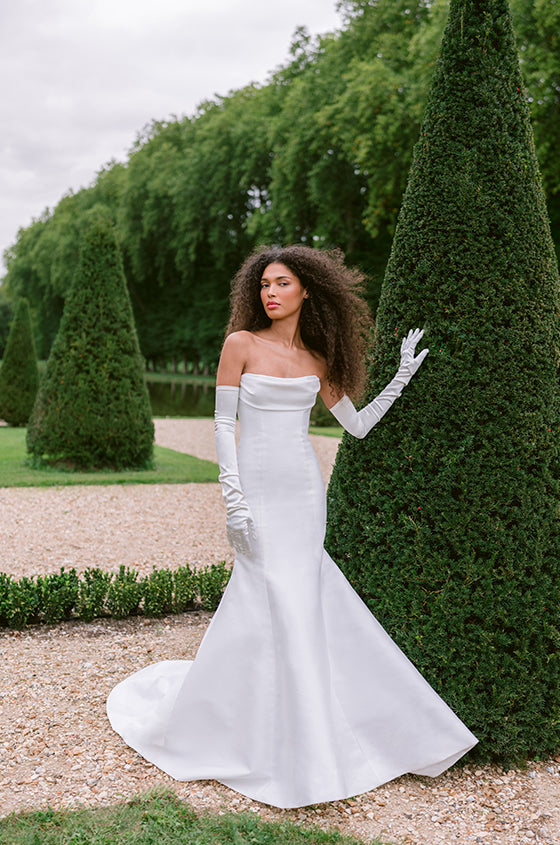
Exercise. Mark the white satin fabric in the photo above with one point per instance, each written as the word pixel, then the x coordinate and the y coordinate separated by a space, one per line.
pixel 297 695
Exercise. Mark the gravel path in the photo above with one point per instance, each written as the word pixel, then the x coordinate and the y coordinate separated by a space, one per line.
pixel 140 525
pixel 56 746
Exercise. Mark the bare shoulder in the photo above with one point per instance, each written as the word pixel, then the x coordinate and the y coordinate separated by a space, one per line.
pixel 238 340
pixel 233 359
pixel 238 344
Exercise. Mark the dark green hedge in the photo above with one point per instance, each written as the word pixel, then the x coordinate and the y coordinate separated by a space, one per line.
pixel 19 376
pixel 93 408
pixel 67 595
pixel 446 518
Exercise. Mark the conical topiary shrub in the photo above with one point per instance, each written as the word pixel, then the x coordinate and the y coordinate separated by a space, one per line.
pixel 446 518
pixel 93 408
pixel 19 376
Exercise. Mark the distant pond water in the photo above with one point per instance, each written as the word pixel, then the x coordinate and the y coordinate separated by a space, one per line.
pixel 176 398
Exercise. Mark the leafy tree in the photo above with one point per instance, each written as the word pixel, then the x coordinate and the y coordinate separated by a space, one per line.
pixel 42 262
pixel 319 153
pixel 19 376
pixel 389 54
pixel 24 260
pixel 6 315
pixel 446 518
pixel 385 58
pixel 147 235
pixel 222 177
pixel 537 26
pixel 93 408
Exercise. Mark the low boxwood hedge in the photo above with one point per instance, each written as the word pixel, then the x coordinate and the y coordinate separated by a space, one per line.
pixel 68 595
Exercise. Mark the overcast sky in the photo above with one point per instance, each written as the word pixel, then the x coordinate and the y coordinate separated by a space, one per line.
pixel 81 78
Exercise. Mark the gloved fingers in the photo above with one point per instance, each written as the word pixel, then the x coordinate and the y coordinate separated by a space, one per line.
pixel 252 531
pixel 408 347
pixel 241 535
pixel 414 363
pixel 420 357
pixel 238 540
pixel 411 340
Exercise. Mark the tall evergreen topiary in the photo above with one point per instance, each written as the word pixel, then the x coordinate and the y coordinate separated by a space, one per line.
pixel 93 408
pixel 19 376
pixel 446 518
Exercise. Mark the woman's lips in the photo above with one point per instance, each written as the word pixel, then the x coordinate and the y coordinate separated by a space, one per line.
pixel 272 304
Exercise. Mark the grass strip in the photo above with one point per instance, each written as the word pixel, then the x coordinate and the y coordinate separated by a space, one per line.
pixel 327 430
pixel 158 818
pixel 170 467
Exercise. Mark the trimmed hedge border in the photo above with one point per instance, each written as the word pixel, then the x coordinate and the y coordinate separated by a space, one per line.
pixel 56 597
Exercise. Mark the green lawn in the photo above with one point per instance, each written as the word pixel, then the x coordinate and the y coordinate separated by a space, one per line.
pixel 170 467
pixel 327 430
pixel 161 819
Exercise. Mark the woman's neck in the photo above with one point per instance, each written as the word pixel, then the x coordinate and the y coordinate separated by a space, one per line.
pixel 286 332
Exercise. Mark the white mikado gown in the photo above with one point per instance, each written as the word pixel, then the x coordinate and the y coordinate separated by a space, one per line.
pixel 297 695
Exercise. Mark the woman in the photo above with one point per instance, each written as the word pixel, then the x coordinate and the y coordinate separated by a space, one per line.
pixel 297 695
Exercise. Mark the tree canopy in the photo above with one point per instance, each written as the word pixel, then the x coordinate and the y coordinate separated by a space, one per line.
pixel 319 153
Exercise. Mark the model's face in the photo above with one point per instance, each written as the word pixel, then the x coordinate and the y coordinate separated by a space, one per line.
pixel 282 293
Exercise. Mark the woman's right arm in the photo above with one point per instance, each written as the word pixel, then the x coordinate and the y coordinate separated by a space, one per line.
pixel 239 522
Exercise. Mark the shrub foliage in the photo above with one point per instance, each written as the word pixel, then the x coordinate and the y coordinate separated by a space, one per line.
pixel 93 408
pixel 446 519
pixel 19 376
pixel 67 595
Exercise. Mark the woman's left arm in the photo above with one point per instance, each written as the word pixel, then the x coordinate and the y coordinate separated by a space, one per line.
pixel 360 423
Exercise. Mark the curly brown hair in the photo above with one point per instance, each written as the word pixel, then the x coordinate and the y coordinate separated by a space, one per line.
pixel 334 319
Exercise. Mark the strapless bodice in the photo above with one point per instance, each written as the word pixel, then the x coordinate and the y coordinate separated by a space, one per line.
pixel 273 393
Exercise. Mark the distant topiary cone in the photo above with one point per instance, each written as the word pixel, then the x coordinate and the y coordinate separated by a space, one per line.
pixel 93 408
pixel 19 376
pixel 446 518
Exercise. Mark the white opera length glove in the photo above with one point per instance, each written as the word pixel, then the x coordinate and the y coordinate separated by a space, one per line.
pixel 239 522
pixel 359 423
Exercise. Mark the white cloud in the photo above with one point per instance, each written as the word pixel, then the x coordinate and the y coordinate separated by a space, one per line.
pixel 81 78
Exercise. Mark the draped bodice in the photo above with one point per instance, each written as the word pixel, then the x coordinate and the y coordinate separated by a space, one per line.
pixel 273 393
